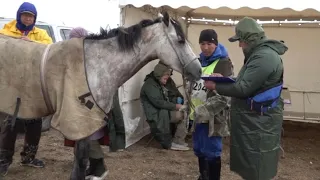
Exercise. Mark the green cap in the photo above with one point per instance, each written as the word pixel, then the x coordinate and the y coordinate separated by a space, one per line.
pixel 245 28
pixel 160 70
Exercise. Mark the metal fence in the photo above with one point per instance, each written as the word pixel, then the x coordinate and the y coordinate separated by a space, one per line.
pixel 305 107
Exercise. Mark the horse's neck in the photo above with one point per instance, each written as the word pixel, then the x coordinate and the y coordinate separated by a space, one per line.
pixel 110 67
pixel 122 65
pixel 130 64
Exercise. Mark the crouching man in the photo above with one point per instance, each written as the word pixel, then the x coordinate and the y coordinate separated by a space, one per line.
pixel 159 110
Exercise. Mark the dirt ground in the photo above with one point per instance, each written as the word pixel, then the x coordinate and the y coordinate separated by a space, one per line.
pixel 301 143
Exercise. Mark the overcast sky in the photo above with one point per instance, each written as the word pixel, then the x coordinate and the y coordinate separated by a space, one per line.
pixel 88 14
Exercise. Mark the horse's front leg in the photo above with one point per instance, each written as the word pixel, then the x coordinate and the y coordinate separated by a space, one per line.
pixel 81 157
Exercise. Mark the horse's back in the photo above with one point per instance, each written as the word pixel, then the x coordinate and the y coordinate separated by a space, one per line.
pixel 20 76
pixel 65 77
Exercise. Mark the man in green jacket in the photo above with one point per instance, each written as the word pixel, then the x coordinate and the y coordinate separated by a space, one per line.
pixel 256 105
pixel 159 109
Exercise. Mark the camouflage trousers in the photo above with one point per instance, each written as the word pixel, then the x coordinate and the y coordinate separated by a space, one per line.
pixel 95 151
pixel 181 132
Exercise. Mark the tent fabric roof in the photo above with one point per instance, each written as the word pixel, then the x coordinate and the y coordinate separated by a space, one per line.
pixel 272 9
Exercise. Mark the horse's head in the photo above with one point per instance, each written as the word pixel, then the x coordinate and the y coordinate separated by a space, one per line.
pixel 175 50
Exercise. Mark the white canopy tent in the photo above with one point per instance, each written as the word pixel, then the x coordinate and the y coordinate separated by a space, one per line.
pixel 298 24
pixel 230 8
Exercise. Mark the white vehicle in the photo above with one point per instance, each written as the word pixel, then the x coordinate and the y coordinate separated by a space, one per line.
pixel 57 33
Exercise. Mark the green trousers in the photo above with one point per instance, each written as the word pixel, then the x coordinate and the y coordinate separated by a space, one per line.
pixel 95 151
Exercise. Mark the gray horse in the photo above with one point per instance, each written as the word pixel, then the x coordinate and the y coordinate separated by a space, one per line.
pixel 75 80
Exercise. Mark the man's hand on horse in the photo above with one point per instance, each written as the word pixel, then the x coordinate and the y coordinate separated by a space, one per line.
pixel 26 38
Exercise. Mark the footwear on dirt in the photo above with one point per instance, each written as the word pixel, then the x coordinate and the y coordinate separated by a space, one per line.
pixel 96 169
pixel 203 168
pixel 28 157
pixel 4 169
pixel 178 147
pixel 33 163
pixel 185 144
pixel 5 161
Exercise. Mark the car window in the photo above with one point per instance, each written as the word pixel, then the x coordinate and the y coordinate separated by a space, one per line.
pixel 45 27
pixel 64 33
pixel 2 24
pixel 48 29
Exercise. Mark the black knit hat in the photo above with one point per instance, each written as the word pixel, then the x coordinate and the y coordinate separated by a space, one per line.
pixel 209 35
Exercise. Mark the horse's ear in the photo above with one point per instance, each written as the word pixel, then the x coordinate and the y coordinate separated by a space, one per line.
pixel 166 18
pixel 160 15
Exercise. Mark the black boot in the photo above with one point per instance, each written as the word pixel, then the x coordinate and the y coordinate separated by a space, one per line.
pixel 5 161
pixel 203 169
pixel 96 169
pixel 214 169
pixel 28 157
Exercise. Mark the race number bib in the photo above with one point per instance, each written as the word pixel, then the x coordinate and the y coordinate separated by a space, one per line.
pixel 199 91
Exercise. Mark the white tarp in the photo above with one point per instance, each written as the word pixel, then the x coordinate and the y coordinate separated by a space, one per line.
pixel 273 4
pixel 301 40
pixel 231 8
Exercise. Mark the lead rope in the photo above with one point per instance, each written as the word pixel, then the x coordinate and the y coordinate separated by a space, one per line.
pixel 184 66
pixel 190 104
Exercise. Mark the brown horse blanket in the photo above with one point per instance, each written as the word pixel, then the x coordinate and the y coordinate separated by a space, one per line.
pixel 65 78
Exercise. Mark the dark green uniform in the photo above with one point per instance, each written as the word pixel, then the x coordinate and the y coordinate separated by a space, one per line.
pixel 157 107
pixel 255 137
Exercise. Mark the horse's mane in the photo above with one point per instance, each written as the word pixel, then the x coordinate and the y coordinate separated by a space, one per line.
pixel 127 37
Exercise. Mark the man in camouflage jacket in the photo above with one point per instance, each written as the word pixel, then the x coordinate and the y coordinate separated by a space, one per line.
pixel 216 112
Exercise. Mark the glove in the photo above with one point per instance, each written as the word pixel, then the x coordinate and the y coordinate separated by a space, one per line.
pixel 183 108
pixel 179 100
